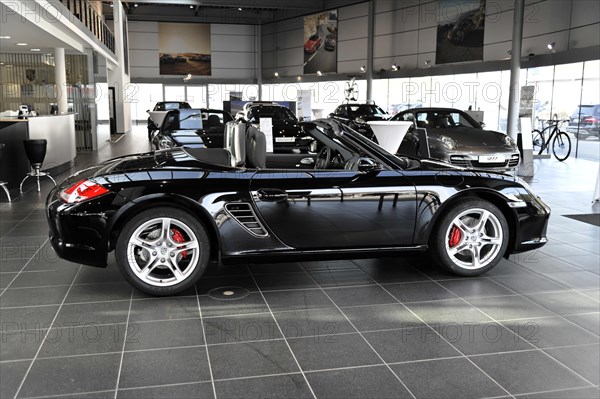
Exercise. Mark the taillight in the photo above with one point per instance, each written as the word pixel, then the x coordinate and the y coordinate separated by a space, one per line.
pixel 590 119
pixel 83 190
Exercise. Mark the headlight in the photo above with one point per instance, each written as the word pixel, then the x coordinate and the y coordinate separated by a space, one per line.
pixel 447 142
pixel 360 121
pixel 509 141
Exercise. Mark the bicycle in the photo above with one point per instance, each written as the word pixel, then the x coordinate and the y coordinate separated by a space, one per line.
pixel 561 145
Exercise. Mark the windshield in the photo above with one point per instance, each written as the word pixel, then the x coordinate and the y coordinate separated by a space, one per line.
pixel 438 119
pixel 171 105
pixel 366 109
pixel 275 113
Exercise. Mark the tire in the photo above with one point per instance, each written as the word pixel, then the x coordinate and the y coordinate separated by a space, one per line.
pixel 561 146
pixel 538 141
pixel 159 266
pixel 459 238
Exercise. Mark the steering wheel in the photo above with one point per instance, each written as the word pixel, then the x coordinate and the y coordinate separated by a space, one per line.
pixel 323 160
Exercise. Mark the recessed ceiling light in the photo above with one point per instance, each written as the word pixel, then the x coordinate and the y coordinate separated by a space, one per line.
pixel 1 63
pixel 363 69
pixel 191 7
pixel 21 44
pixel 35 49
pixel 111 5
pixel 239 8
pixel 394 67
pixel 319 73
pixel 136 4
pixel 276 74
pixel 4 37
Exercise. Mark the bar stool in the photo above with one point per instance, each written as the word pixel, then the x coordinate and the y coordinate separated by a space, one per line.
pixel 36 152
pixel 3 183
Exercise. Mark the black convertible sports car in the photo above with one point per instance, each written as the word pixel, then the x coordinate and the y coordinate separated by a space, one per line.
pixel 357 115
pixel 166 214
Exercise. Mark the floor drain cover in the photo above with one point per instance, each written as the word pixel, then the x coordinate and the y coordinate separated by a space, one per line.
pixel 228 293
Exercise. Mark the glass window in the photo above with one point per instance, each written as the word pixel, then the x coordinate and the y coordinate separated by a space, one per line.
pixel 488 94
pixel 542 79
pixel 589 125
pixel 143 98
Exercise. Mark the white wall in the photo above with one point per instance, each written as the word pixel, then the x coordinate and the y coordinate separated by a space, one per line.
pixel 232 51
pixel 405 33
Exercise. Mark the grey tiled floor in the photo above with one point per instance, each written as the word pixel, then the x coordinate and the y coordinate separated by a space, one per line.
pixel 380 328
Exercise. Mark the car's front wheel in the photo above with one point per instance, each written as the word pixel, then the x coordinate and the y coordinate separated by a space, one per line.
pixel 163 251
pixel 471 238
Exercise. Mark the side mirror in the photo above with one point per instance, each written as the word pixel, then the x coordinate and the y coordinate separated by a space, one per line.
pixel 366 164
pixel 331 115
pixel 148 111
pixel 481 124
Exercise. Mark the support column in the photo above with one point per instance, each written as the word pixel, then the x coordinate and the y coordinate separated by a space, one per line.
pixel 370 44
pixel 515 70
pixel 119 76
pixel 259 73
pixel 60 78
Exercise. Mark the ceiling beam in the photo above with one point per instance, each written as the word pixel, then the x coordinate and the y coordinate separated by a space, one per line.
pixel 273 4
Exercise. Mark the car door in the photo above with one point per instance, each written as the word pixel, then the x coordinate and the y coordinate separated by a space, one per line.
pixel 336 209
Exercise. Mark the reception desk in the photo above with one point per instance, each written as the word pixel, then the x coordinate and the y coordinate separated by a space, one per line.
pixel 58 130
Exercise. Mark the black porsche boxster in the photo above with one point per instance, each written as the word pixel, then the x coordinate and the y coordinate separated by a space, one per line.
pixel 168 213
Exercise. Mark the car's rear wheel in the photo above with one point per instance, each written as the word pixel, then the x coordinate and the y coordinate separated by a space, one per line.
pixel 471 238
pixel 163 251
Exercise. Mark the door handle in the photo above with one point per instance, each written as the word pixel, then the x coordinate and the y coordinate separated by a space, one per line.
pixel 307 161
pixel 271 195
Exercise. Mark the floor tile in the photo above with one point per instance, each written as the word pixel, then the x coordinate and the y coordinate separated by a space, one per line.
pixel 579 280
pixel 95 275
pixel 199 390
pixel 341 278
pixel 412 343
pixel 380 317
pixel 447 378
pixel 33 296
pixel 276 268
pixel 584 360
pixel 12 375
pixel 253 303
pixel 328 352
pixel 40 279
pixel 20 345
pixel 86 340
pixel 92 313
pixel 290 386
pixel 79 374
pixel 32 318
pixel 551 331
pixel 164 334
pixel 164 366
pixel 578 393
pixel 529 284
pixel 315 323
pixel 288 281
pixel 564 303
pixel 99 292
pixel 475 287
pixel 231 329
pixel 329 265
pixel 164 309
pixel 251 359
pixel 363 295
pixel 297 300
pixel 206 284
pixel 6 279
pixel 363 382
pixel 419 292
pixel 448 312
pixel 590 322
pixel 509 307
pixel 523 372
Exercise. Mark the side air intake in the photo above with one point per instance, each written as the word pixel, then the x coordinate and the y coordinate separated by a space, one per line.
pixel 242 213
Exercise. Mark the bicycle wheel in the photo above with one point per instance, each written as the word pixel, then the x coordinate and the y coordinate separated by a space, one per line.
pixel 561 146
pixel 538 141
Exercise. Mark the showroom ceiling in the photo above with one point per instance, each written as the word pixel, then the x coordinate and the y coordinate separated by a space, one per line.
pixel 219 11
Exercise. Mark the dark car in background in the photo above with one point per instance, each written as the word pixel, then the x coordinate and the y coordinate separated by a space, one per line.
pixel 167 214
pixel 585 120
pixel 356 116
pixel 158 113
pixel 195 127
pixel 330 42
pixel 455 137
pixel 288 135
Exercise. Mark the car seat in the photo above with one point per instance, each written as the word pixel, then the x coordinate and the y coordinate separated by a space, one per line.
pixel 213 121
pixel 235 142
pixel 256 148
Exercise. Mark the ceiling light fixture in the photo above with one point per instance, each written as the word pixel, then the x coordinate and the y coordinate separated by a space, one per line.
pixel 239 8
pixel 299 78
pixel 363 69
pixel 35 49
pixel 21 44
pixel 276 74
pixel 135 4
pixel 551 45
pixel 111 5
pixel 319 73
pixel 394 67
pixel 4 37
pixel 192 7
pixel 428 63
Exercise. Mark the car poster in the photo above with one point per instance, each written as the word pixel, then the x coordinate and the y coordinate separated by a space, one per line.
pixel 460 31
pixel 184 49
pixel 320 42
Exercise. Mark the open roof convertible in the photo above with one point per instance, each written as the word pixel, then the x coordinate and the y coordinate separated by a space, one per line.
pixel 168 213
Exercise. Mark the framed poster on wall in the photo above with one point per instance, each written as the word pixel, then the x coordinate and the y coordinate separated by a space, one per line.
pixel 320 42
pixel 460 31
pixel 184 48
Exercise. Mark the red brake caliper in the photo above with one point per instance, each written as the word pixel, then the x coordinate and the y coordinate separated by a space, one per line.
pixel 178 237
pixel 455 237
